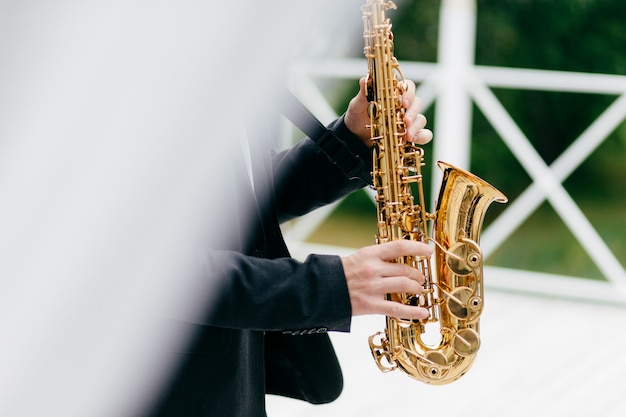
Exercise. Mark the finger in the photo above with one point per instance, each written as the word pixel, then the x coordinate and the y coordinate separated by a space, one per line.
pixel 415 128
pixel 398 310
pixel 421 137
pixel 395 249
pixel 356 117
pixel 392 269
pixel 418 124
pixel 412 110
pixel 363 86
pixel 399 285
pixel 408 97
pixel 360 100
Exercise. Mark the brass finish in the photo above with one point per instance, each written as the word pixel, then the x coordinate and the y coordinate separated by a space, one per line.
pixel 453 292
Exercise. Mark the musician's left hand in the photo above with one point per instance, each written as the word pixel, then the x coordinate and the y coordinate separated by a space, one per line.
pixel 357 118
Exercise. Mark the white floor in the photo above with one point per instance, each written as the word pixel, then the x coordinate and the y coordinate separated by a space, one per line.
pixel 539 357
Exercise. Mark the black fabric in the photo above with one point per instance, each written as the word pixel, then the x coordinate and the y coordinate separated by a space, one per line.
pixel 219 374
pixel 265 329
pixel 304 367
pixel 334 148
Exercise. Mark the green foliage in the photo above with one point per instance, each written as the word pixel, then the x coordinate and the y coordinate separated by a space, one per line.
pixel 566 35
pixel 416 25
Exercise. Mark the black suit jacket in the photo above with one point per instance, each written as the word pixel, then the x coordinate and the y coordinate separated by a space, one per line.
pixel 265 331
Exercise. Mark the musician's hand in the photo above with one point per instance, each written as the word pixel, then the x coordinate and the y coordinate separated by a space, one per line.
pixel 414 120
pixel 357 118
pixel 370 276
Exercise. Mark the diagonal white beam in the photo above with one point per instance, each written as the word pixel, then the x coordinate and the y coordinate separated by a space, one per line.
pixel 526 203
pixel 541 174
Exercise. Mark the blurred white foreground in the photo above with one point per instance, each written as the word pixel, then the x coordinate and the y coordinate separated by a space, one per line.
pixel 114 120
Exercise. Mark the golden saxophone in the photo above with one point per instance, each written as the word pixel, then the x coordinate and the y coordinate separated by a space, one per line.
pixel 453 294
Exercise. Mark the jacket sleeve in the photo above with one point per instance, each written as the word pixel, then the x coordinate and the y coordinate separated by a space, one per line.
pixel 273 292
pixel 278 294
pixel 307 178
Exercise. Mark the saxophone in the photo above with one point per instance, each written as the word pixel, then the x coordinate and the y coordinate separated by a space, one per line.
pixel 453 294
